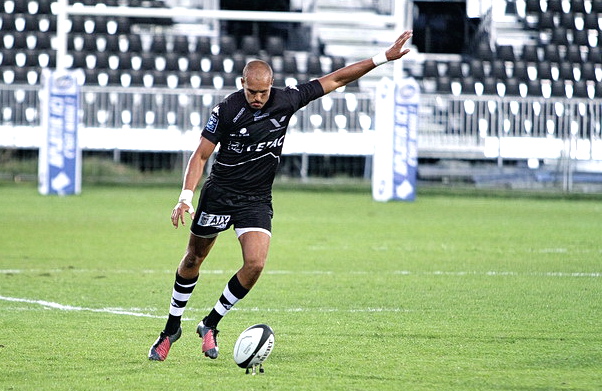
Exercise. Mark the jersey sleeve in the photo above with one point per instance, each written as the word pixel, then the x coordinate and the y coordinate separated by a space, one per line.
pixel 212 130
pixel 301 94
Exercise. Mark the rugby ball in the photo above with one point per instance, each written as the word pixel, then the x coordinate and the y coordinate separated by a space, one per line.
pixel 253 346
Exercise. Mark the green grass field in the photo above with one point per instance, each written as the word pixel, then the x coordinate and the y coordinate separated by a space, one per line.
pixel 446 293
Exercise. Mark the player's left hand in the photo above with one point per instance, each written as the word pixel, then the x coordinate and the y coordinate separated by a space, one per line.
pixel 178 213
pixel 396 51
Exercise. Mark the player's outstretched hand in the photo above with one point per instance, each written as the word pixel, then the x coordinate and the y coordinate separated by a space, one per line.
pixel 178 213
pixel 396 51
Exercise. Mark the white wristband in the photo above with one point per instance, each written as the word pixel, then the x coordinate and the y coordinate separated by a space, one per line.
pixel 186 199
pixel 380 58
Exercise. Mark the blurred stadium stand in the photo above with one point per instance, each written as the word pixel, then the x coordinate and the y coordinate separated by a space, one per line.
pixel 529 69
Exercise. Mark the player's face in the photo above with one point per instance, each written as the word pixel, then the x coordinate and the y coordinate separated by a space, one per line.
pixel 257 91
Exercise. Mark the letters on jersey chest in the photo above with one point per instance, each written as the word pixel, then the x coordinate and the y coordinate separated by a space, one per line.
pixel 256 131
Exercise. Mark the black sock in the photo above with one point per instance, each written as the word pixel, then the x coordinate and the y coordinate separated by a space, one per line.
pixel 233 292
pixel 182 289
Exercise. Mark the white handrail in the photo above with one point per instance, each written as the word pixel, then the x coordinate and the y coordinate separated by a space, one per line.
pixel 261 16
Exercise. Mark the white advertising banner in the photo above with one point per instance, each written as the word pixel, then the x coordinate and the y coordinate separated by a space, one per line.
pixel 59 168
pixel 395 161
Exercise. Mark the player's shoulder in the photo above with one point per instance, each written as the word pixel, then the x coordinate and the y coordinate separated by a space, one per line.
pixel 231 104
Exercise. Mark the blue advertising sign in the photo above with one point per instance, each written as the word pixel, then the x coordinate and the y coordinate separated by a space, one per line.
pixel 395 163
pixel 59 168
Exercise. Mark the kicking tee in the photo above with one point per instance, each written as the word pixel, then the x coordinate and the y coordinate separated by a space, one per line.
pixel 251 140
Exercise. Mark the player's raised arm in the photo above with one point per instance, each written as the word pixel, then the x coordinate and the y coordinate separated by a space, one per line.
pixel 354 71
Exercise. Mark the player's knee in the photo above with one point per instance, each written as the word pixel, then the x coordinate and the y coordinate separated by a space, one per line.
pixel 254 267
pixel 192 260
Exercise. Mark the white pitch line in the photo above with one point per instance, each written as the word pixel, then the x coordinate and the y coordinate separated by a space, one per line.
pixel 63 307
pixel 116 311
pixel 327 272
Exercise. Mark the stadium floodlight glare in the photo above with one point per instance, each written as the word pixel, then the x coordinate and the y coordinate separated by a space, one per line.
pixel 327 103
pixel 507 125
pixel 149 118
pixel 351 101
pixel 528 125
pixel 102 116
pixel 501 89
pixel 537 108
pixel 341 121
pixel 469 106
pixel 456 88
pixel 574 128
pixel 550 127
pixel 559 109
pixel 316 121
pixel 195 119
pixel 126 117
pixel 514 107
pixel 365 121
pixel 483 127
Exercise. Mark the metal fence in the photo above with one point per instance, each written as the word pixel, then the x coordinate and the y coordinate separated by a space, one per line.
pixel 463 126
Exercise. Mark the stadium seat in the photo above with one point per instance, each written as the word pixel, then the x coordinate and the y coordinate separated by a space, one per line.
pixel 202 45
pixel 529 53
pixel 181 44
pixel 559 36
pixel 454 70
pixel 505 53
pixel 158 44
pixel 274 46
pixel 20 6
pixel 558 89
pixel 250 45
pixel 468 84
pixel 443 84
pixel 578 6
pixel 567 21
pixel 498 70
pixel 430 69
pixel 551 53
pixel 217 63
pixel 44 7
pixel 194 62
pixel 588 71
pixel 565 71
pixel 484 52
pixel 534 88
pixel 134 43
pixel 172 61
pixel 546 21
pixel 544 70
pixel 314 66
pixel 238 63
pixel 227 45
pixel 580 89
pixel 555 6
pixel 580 38
pixel 512 87
pixel 289 65
pixel 477 69
pixel 594 55
pixel 520 71
pixel 591 22
pixel 532 7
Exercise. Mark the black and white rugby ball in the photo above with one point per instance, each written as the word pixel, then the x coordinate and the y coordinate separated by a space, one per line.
pixel 253 346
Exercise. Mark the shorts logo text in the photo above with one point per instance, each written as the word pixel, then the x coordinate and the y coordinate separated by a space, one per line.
pixel 216 221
